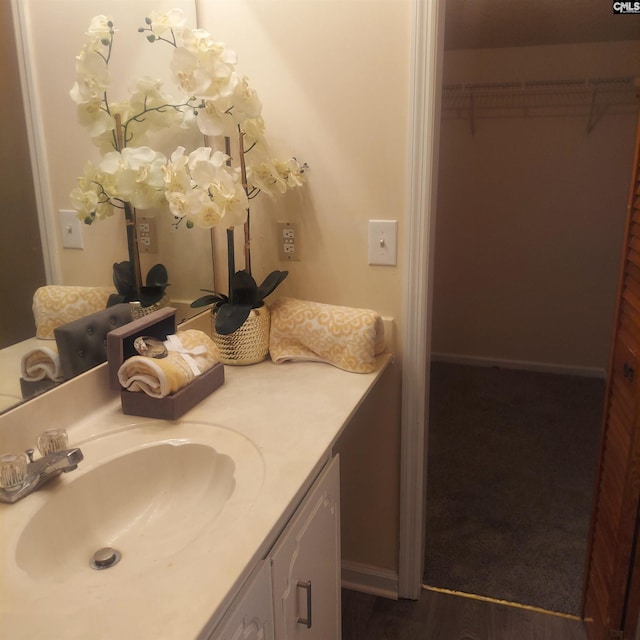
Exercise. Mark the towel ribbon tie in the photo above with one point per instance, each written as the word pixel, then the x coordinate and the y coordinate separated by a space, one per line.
pixel 173 344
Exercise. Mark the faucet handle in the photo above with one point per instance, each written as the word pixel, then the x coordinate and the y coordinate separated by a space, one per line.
pixel 13 469
pixel 52 440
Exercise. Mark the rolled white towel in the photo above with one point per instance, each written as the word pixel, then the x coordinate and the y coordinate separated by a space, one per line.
pixel 41 363
pixel 190 355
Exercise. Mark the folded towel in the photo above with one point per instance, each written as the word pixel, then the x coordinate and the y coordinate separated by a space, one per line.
pixel 41 363
pixel 191 353
pixel 344 337
pixel 55 305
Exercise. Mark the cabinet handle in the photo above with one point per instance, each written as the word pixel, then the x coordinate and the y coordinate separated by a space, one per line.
pixel 307 587
pixel 628 371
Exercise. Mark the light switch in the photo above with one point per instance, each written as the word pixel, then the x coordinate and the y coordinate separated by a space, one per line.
pixel 71 230
pixel 383 242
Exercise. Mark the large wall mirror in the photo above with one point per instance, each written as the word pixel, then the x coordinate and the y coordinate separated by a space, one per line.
pixel 44 151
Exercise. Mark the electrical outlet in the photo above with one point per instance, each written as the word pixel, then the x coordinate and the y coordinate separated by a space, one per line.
pixel 288 241
pixel 147 234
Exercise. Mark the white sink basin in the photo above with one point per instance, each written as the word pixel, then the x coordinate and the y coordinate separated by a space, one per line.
pixel 148 491
pixel 132 503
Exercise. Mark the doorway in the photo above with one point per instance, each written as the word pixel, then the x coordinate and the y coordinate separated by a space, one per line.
pixel 22 268
pixel 530 216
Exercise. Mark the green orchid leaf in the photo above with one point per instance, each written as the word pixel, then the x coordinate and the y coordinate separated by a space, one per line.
pixel 151 295
pixel 122 280
pixel 157 276
pixel 271 283
pixel 244 290
pixel 115 298
pixel 213 298
pixel 230 317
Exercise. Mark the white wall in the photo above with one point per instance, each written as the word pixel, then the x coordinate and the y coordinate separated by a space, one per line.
pixel 530 216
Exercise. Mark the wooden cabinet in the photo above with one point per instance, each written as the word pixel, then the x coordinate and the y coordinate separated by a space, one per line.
pixel 295 591
pixel 305 566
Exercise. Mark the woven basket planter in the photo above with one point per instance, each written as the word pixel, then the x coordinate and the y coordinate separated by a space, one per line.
pixel 248 344
pixel 138 311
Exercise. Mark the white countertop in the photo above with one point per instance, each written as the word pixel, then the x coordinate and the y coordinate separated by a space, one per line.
pixel 293 414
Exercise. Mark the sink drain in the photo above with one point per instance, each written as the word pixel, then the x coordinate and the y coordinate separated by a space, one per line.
pixel 105 558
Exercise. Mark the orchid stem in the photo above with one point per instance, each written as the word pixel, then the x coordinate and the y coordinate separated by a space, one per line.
pixel 132 246
pixel 231 260
pixel 245 186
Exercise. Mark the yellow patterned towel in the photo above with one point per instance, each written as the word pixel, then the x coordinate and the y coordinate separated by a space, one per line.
pixel 344 337
pixel 41 363
pixel 55 305
pixel 192 354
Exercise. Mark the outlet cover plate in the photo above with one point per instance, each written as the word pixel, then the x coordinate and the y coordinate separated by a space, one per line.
pixel 288 241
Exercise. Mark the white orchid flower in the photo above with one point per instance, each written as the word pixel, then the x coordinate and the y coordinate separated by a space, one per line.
pixel 291 171
pixel 92 77
pixel 231 198
pixel 246 103
pixel 188 74
pixel 94 118
pixel 137 175
pixel 253 129
pixel 174 19
pixel 100 28
pixel 152 108
pixel 266 177
pixel 178 203
pixel 202 210
pixel 213 119
pixel 176 177
pixel 204 165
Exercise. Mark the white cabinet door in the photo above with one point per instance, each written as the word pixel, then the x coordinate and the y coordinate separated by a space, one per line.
pixel 305 565
pixel 251 614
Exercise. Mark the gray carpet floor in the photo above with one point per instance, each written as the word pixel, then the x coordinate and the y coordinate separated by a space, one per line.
pixel 511 466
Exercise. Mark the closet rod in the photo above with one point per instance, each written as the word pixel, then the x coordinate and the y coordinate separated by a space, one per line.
pixel 592 97
pixel 626 83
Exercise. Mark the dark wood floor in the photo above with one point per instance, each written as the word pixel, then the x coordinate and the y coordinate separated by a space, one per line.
pixel 444 616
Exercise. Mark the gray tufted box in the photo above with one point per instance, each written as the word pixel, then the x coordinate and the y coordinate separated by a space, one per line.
pixel 82 344
pixel 158 324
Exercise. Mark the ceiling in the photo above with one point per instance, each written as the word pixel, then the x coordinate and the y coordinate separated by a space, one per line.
pixel 480 24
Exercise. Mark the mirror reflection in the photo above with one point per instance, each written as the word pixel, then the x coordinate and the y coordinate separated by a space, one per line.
pixel 46 150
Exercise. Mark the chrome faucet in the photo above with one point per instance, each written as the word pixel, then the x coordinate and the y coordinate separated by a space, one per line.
pixel 21 475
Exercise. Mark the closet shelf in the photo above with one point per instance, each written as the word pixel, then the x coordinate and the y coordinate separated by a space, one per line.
pixel 591 97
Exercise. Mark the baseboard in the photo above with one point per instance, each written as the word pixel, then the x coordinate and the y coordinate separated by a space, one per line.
pixel 372 580
pixel 525 365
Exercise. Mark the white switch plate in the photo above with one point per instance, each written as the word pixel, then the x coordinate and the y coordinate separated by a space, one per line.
pixel 71 230
pixel 383 242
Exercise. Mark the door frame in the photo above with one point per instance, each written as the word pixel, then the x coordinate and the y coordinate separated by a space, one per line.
pixel 427 50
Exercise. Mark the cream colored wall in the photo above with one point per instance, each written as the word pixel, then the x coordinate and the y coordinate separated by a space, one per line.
pixel 333 79
pixel 530 216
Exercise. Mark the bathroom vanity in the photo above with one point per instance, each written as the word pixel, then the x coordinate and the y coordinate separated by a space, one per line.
pixel 228 519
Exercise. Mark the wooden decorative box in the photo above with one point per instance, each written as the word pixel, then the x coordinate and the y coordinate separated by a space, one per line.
pixel 158 324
